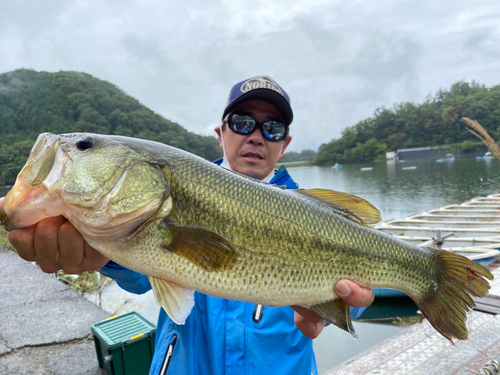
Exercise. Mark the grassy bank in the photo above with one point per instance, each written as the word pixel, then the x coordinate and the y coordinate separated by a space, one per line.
pixel 295 164
pixel 3 239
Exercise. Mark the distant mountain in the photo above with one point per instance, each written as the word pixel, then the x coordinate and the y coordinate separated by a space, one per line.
pixel 35 102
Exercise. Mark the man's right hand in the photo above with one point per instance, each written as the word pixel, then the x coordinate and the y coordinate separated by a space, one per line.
pixel 55 244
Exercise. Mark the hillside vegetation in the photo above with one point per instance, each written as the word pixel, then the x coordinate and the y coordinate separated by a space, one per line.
pixel 35 102
pixel 435 122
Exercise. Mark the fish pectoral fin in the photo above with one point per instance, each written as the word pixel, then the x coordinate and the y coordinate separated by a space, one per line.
pixel 175 300
pixel 336 312
pixel 203 247
pixel 350 206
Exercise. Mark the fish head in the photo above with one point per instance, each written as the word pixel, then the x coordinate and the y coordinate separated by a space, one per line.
pixel 102 184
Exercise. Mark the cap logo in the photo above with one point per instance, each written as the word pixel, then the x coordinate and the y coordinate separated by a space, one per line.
pixel 260 83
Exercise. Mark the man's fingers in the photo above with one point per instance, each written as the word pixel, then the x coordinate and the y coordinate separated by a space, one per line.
pixel 55 244
pixel 93 259
pixel 308 314
pixel 47 244
pixel 307 322
pixel 22 240
pixel 353 294
pixel 71 248
pixel 75 255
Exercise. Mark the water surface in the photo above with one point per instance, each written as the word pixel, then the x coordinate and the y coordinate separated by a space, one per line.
pixel 398 193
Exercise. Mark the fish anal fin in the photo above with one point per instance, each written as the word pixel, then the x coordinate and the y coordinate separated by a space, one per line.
pixel 350 206
pixel 175 300
pixel 201 246
pixel 336 312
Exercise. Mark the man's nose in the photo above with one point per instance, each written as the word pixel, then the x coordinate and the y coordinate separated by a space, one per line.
pixel 256 137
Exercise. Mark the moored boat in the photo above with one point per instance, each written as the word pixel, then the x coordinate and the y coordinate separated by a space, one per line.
pixel 487 156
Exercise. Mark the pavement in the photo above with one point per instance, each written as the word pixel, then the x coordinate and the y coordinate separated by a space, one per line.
pixel 44 325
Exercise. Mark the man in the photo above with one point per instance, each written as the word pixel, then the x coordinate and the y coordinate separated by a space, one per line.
pixel 220 336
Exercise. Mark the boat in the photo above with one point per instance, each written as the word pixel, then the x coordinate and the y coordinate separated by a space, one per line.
pixel 367 168
pixel 413 167
pixel 487 156
pixel 447 159
pixel 471 229
pixel 337 166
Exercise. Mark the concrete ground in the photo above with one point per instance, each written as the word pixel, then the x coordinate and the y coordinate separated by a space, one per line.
pixel 44 325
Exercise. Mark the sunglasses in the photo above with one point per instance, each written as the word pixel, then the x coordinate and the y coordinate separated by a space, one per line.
pixel 273 131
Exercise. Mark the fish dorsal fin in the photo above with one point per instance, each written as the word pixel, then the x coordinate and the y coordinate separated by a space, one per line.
pixel 336 312
pixel 175 300
pixel 350 206
pixel 201 246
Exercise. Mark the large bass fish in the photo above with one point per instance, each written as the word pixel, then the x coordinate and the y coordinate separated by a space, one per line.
pixel 191 225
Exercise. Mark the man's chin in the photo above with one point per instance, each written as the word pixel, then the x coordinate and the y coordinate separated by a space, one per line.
pixel 254 170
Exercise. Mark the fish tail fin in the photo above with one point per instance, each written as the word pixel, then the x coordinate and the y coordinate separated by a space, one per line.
pixel 446 303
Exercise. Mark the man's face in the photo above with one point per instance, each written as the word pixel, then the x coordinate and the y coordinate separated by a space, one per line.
pixel 252 154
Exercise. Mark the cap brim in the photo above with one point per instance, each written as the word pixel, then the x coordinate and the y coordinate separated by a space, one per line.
pixel 269 95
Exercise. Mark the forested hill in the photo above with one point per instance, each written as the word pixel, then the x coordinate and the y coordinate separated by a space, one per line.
pixel 435 122
pixel 35 102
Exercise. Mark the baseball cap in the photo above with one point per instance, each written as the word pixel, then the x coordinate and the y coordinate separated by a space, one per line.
pixel 261 87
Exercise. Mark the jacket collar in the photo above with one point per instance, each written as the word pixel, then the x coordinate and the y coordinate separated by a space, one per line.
pixel 281 177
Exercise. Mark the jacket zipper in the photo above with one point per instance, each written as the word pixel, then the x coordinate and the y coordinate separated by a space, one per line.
pixel 258 313
pixel 168 355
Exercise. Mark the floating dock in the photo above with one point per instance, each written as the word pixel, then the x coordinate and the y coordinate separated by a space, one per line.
pixel 472 229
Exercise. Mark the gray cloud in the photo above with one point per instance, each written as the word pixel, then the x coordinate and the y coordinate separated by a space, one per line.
pixel 484 42
pixel 339 61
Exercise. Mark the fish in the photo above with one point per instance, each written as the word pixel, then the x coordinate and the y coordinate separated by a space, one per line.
pixel 190 225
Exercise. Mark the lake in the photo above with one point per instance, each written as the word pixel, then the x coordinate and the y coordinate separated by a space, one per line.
pixel 397 193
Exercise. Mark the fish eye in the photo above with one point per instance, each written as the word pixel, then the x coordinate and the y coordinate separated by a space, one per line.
pixel 85 143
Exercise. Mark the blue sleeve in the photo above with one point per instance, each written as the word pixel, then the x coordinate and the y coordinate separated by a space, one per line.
pixel 131 281
pixel 356 312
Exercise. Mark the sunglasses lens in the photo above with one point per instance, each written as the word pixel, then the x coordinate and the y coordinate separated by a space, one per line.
pixel 273 130
pixel 242 124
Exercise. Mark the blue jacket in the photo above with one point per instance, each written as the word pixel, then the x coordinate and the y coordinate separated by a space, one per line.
pixel 220 335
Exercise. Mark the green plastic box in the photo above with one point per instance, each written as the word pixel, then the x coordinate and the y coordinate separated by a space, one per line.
pixel 125 344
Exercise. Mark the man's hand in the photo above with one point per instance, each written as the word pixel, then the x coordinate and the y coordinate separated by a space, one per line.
pixel 311 325
pixel 55 244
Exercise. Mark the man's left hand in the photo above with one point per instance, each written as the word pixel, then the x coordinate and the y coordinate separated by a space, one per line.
pixel 311 325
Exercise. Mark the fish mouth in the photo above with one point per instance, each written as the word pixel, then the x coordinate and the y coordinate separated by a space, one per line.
pixel 30 200
pixel 25 206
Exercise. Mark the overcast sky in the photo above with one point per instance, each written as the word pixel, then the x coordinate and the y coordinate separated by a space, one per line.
pixel 338 60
